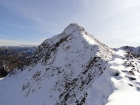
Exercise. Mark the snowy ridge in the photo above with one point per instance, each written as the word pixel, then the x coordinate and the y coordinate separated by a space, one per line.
pixel 119 84
pixel 127 83
pixel 73 68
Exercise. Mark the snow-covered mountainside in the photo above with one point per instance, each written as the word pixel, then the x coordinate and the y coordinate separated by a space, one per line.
pixel 134 50
pixel 74 68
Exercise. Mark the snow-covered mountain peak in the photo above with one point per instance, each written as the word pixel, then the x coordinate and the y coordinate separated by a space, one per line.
pixel 71 68
pixel 81 34
pixel 69 62
pixel 73 39
pixel 74 29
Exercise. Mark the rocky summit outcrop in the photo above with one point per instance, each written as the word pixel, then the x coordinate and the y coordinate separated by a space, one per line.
pixel 133 50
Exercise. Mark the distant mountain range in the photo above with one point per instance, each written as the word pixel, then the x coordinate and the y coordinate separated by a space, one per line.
pixel 14 50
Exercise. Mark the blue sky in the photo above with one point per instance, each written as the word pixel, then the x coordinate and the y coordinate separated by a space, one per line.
pixel 114 22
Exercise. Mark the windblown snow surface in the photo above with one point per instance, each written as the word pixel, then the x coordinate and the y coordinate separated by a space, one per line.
pixel 74 68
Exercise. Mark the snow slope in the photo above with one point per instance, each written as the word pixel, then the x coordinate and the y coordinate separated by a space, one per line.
pixel 73 68
pixel 119 84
